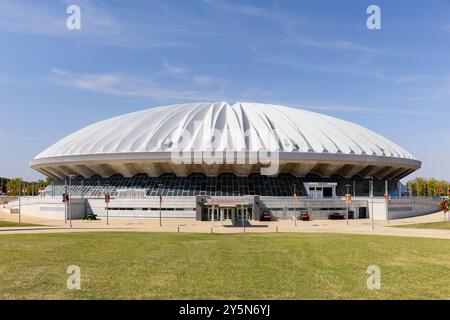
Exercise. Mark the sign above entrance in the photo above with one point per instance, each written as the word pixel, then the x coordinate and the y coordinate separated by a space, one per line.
pixel 229 201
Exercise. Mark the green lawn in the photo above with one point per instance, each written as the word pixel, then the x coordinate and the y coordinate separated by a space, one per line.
pixel 428 225
pixel 222 266
pixel 6 224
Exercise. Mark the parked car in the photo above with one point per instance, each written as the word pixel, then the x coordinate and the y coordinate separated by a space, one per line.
pixel 266 216
pixel 336 216
pixel 89 216
pixel 304 216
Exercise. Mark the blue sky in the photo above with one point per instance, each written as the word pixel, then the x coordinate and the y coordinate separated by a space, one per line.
pixel 131 55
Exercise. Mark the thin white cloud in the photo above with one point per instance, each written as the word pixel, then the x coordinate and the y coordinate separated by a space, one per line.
pixel 247 10
pixel 126 85
pixel 288 23
pixel 18 17
pixel 340 44
pixel 97 24
pixel 350 70
pixel 30 18
pixel 173 70
pixel 386 111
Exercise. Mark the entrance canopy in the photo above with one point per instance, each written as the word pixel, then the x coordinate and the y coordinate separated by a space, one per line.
pixel 229 201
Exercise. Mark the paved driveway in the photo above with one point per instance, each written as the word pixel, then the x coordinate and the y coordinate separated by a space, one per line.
pixel 318 226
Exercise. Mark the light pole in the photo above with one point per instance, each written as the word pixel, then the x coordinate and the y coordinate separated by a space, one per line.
pixel 107 199
pixel 70 206
pixel 386 190
pixel 242 216
pixel 347 200
pixel 295 204
pixel 371 210
pixel 107 212
pixel 20 205
pixel 65 200
pixel 160 203
pixel 371 200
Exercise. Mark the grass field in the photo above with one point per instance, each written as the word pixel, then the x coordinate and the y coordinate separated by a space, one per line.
pixel 222 266
pixel 7 224
pixel 428 225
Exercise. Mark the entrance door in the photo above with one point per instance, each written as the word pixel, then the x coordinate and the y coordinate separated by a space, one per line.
pixel 362 213
pixel 209 214
pixel 227 213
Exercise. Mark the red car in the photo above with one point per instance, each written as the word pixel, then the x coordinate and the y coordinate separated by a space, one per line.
pixel 336 216
pixel 304 216
pixel 266 216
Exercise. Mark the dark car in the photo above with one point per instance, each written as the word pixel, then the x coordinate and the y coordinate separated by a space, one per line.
pixel 304 216
pixel 336 216
pixel 266 216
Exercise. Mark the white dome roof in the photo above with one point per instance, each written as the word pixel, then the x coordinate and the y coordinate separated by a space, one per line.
pixel 290 129
pixel 145 142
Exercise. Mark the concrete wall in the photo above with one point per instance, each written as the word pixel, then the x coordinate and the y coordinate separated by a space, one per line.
pixel 400 208
pixel 404 207
pixel 282 207
pixel 378 206
pixel 6 199
pixel 50 208
pixel 177 208
pixel 147 208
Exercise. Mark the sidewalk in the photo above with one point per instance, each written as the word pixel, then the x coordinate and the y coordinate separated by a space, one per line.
pixel 319 226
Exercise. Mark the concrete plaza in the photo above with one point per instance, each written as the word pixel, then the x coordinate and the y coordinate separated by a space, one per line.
pixel 318 226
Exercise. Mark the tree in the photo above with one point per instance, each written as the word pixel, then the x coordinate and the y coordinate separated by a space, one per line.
pixel 432 187
pixel 443 206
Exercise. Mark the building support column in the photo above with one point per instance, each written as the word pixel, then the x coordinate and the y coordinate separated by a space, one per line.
pixel 199 208
pixel 255 208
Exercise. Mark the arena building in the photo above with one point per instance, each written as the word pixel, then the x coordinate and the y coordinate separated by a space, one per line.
pixel 216 161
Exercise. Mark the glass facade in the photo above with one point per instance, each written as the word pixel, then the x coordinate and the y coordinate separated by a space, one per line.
pixel 197 184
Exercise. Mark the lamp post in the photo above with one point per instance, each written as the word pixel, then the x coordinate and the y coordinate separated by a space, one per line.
pixel 20 205
pixel 371 200
pixel 347 200
pixel 65 200
pixel 295 204
pixel 242 217
pixel 386 189
pixel 371 211
pixel 160 185
pixel 107 199
pixel 70 206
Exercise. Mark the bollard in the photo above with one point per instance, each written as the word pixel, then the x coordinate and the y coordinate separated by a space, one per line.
pixel 211 230
pixel 178 229
pixel 277 229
